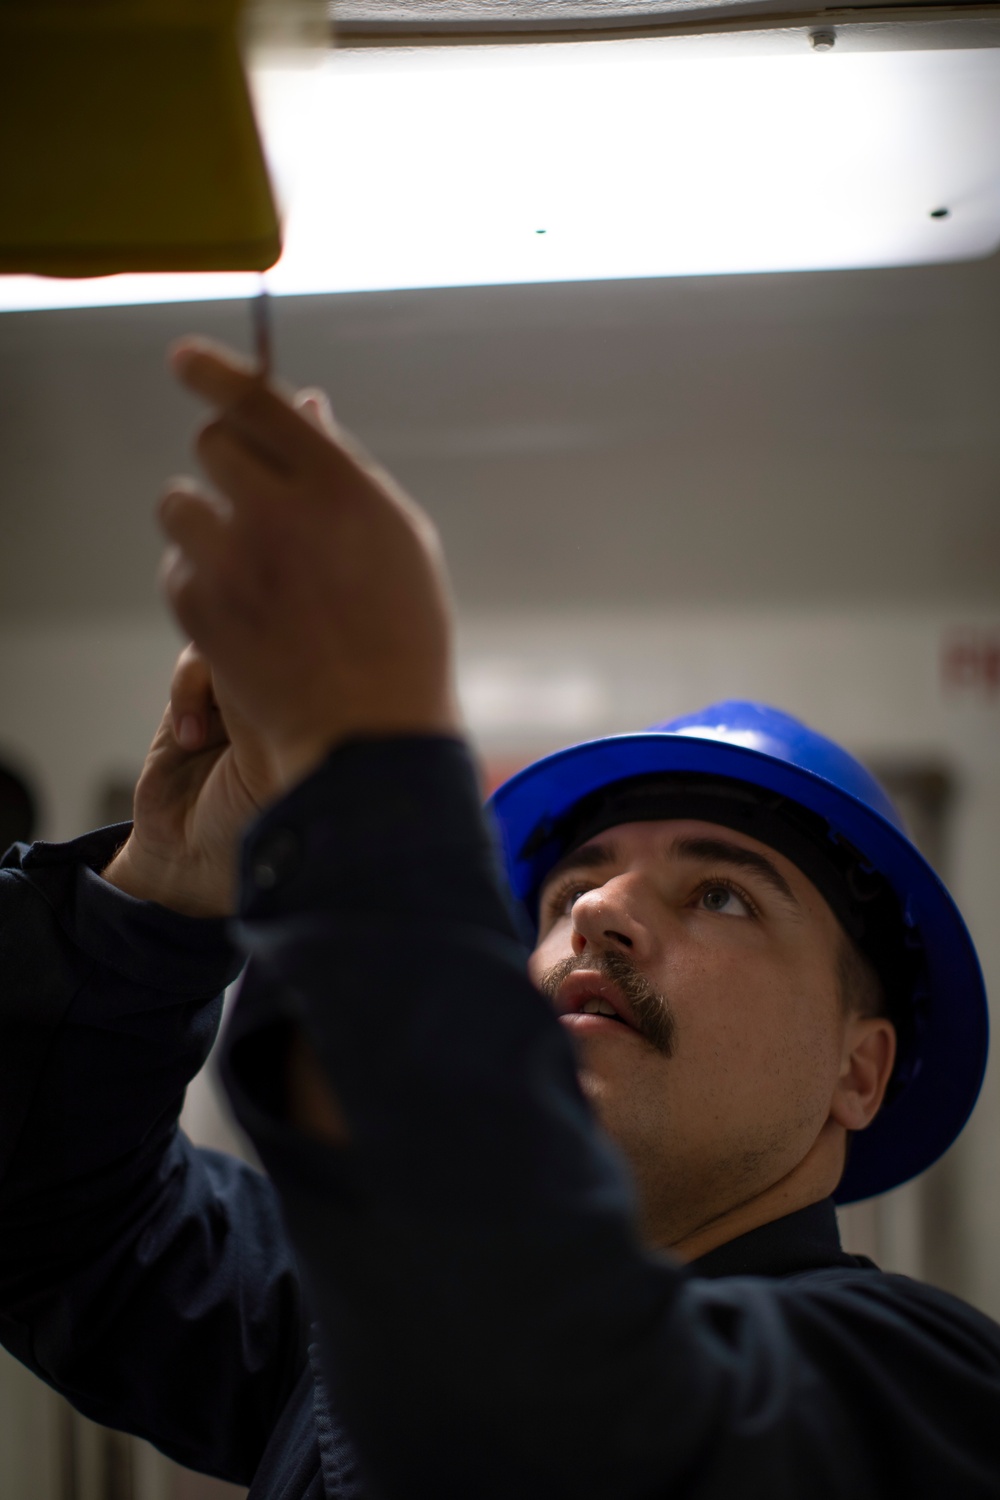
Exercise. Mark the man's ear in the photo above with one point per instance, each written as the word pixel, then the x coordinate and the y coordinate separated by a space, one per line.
pixel 865 1069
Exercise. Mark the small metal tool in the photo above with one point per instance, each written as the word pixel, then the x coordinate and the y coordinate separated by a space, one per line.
pixel 263 343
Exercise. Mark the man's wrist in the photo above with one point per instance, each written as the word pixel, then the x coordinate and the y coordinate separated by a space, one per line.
pixel 297 760
pixel 389 824
pixel 178 885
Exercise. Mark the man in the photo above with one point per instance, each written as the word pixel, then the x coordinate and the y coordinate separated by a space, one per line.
pixel 451 1285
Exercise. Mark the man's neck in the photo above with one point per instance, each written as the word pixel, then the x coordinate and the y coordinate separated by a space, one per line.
pixel 736 1222
pixel 812 1180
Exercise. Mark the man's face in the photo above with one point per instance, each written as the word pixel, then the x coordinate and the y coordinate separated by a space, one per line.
pixel 722 958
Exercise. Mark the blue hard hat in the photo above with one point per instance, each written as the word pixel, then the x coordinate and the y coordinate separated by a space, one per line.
pixel 762 748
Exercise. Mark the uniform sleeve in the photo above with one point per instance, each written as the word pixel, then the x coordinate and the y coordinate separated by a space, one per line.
pixel 493 1325
pixel 151 1282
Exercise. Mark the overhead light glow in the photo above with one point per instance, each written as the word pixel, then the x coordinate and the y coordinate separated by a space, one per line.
pixel 474 166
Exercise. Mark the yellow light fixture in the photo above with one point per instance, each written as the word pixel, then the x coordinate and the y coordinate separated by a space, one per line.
pixel 128 140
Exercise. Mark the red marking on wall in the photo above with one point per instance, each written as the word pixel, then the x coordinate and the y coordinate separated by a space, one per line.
pixel 970 662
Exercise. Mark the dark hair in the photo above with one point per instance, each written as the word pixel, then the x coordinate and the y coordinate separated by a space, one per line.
pixel 862 992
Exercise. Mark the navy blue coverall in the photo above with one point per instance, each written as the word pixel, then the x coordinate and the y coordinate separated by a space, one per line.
pixel 456 1307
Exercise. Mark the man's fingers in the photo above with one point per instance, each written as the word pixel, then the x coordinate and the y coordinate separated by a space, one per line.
pixel 315 405
pixel 236 469
pixel 195 524
pixel 261 416
pixel 191 698
pixel 193 710
pixel 189 516
pixel 217 374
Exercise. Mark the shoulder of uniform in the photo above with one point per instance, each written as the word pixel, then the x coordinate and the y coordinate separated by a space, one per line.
pixel 894 1310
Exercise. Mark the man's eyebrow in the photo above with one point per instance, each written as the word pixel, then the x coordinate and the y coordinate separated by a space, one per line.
pixel 721 851
pixel 587 858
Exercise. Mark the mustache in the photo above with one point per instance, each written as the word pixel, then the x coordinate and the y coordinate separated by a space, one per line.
pixel 654 1018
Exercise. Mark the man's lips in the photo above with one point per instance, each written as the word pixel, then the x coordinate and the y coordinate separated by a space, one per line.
pixel 585 985
pixel 609 992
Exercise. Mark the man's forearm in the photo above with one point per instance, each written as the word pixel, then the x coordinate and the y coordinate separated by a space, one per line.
pixel 124 1276
pixel 459 1210
pixel 108 1008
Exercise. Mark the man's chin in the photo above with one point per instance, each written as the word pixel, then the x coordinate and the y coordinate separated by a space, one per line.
pixel 617 1084
pixel 603 1086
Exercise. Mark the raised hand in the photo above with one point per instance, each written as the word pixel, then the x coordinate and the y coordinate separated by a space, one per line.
pixel 310 582
pixel 207 775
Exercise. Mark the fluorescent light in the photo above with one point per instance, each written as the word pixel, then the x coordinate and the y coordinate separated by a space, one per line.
pixel 469 166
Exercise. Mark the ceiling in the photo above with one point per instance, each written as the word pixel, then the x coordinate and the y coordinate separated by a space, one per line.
pixel 827 437
pixel 865 23
pixel 467 17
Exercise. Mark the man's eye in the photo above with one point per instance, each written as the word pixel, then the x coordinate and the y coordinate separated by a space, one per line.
pixel 559 903
pixel 725 900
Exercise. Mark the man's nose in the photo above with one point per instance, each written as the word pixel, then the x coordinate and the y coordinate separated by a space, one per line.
pixel 608 918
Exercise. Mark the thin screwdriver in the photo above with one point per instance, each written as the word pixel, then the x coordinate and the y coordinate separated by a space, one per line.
pixel 263 343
